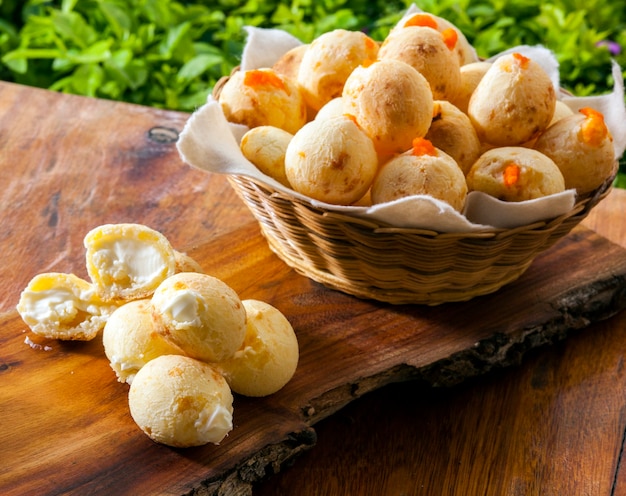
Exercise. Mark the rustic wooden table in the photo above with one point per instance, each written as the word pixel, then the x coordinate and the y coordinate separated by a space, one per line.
pixel 551 423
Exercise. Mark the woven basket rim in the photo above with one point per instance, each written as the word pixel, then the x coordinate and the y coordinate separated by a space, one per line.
pixel 376 226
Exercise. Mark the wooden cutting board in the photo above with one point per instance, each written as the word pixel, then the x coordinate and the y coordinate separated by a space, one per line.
pixel 65 423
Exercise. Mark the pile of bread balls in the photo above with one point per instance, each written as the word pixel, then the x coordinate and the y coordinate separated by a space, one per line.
pixel 183 340
pixel 347 120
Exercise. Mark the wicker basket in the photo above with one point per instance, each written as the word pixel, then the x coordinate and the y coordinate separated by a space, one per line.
pixel 399 265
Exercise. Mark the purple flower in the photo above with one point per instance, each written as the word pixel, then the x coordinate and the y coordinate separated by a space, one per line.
pixel 613 47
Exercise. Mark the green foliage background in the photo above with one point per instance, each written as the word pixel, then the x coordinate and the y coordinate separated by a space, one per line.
pixel 169 54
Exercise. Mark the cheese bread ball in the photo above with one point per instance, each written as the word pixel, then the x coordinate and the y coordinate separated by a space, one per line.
pixel 513 102
pixel 430 53
pixel 582 147
pixel 268 358
pixel 265 147
pixel 200 314
pixel 128 261
pixel 289 64
pixel 463 49
pixel 451 131
pixel 391 102
pixel 331 160
pixel 186 263
pixel 263 97
pixel 63 306
pixel 561 110
pixel 471 74
pixel 130 340
pixel 515 174
pixel 423 171
pixel 334 108
pixel 181 402
pixel 328 62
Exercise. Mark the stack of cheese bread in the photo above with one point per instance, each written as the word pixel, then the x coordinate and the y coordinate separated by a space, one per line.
pixel 347 120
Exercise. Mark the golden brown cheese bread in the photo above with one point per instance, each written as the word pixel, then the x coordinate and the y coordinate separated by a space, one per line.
pixel 451 131
pixel 471 74
pixel 127 261
pixel 329 60
pixel 561 110
pixel 268 357
pixel 513 102
pixel 181 402
pixel 582 147
pixel 515 174
pixel 200 314
pixel 424 170
pixel 186 263
pixel 331 160
pixel 263 97
pixel 130 341
pixel 63 306
pixel 429 52
pixel 265 147
pixel 391 101
pixel 289 64
pixel 333 108
pixel 462 48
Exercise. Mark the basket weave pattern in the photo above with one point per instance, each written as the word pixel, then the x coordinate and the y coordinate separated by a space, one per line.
pixel 399 265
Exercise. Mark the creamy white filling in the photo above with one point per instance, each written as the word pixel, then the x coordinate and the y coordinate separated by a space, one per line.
pixel 245 353
pixel 126 368
pixel 214 424
pixel 183 308
pixel 130 261
pixel 125 364
pixel 52 305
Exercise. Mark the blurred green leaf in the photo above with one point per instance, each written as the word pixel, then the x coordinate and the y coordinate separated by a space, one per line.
pixel 16 63
pixel 72 27
pixel 197 66
pixel 175 36
pixel 89 78
pixel 118 18
pixel 32 53
pixel 68 5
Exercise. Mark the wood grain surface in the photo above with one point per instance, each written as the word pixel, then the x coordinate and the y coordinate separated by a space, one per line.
pixel 65 422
